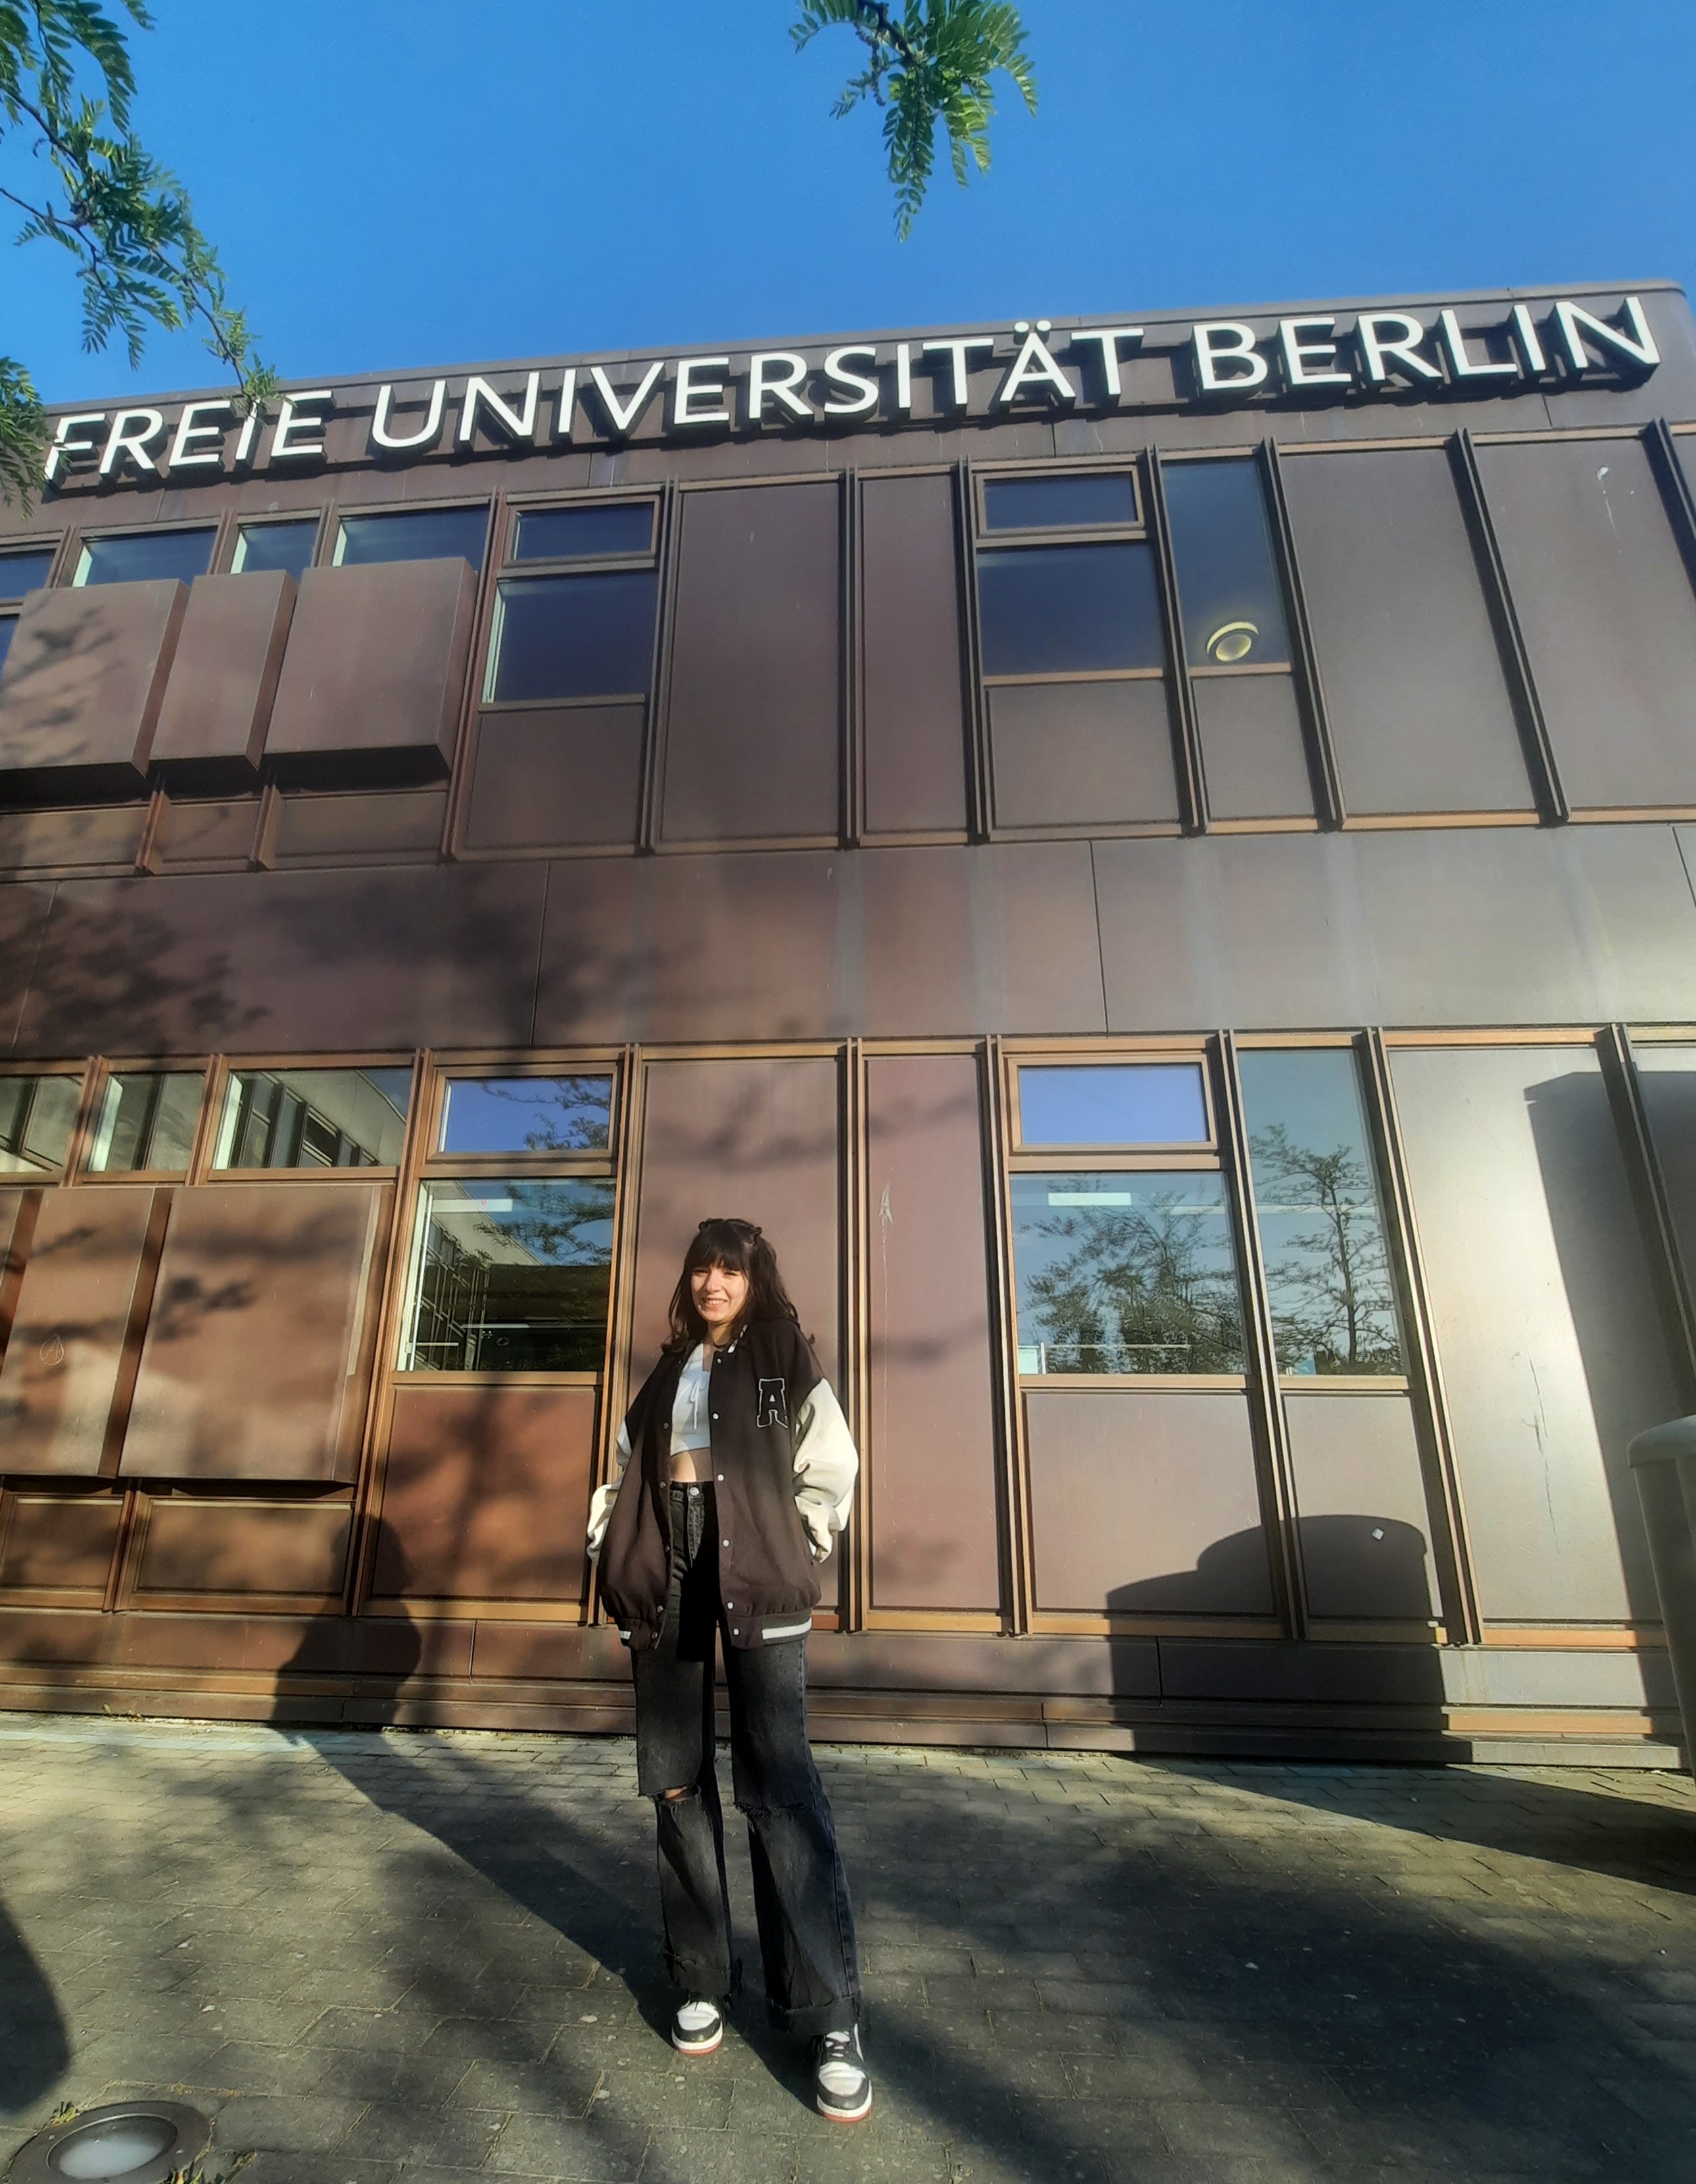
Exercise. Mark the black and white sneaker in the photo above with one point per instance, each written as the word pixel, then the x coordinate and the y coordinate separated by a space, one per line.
pixel 697 2029
pixel 841 2087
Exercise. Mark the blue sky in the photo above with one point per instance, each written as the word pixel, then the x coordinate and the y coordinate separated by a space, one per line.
pixel 393 186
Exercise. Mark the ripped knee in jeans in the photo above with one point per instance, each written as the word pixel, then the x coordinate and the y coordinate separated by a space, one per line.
pixel 675 1797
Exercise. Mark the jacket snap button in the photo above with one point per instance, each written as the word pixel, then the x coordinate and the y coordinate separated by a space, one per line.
pixel 736 1634
pixel 726 1543
pixel 721 1478
pixel 715 1418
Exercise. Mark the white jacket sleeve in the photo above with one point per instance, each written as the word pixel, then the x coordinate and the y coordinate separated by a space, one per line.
pixel 826 1466
pixel 601 1501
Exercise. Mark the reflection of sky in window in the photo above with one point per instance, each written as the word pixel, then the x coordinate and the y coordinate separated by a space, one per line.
pixel 526 1114
pixel 518 1220
pixel 1139 1104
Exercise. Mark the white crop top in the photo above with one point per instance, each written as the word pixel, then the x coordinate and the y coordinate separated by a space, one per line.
pixel 691 1425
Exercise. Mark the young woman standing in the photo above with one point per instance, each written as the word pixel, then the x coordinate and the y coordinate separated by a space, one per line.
pixel 743 1478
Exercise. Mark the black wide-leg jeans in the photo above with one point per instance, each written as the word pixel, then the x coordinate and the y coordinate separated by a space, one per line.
pixel 800 1890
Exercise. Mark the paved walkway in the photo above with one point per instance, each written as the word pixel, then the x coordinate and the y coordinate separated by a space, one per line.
pixel 428 1957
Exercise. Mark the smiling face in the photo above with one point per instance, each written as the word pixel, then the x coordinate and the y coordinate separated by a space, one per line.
pixel 719 1295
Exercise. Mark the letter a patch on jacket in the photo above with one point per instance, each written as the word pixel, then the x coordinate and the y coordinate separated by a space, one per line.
pixel 771 1411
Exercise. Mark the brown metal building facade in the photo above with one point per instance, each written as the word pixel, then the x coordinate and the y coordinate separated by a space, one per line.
pixel 1168 900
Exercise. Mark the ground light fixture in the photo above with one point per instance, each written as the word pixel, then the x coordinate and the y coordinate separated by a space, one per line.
pixel 133 2142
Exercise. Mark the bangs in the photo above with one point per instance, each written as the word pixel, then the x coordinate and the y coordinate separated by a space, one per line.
pixel 725 1244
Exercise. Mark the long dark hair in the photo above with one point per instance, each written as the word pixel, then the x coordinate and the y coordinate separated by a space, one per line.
pixel 741 1248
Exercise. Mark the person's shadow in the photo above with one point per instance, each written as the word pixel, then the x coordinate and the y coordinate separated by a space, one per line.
pixel 34 2043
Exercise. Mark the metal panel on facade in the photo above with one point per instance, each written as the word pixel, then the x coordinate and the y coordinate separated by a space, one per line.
pixel 1082 754
pixel 486 1493
pixel 931 1434
pixel 256 1357
pixel 555 777
pixel 915 748
pixel 70 1362
pixel 85 677
pixel 1546 1321
pixel 1604 598
pixel 1362 1520
pixel 59 1543
pixel 753 730
pixel 1252 752
pixel 231 1547
pixel 223 678
pixel 1144 1502
pixel 1418 703
pixel 376 662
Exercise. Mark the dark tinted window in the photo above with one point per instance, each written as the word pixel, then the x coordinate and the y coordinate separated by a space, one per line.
pixel 277 546
pixel 1119 1104
pixel 129 558
pixel 1227 579
pixel 1321 1225
pixel 1043 503
pixel 1126 1273
pixel 1051 609
pixel 147 1121
pixel 7 625
pixel 23 572
pixel 575 637
pixel 511 1276
pixel 425 534
pixel 526 1114
pixel 555 534
pixel 35 1116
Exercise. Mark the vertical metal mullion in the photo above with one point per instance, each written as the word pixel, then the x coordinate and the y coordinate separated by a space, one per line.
pixel 1674 488
pixel 1018 1583
pixel 978 810
pixel 660 680
pixel 1272 1439
pixel 621 1316
pixel 1548 795
pixel 1457 1582
pixel 1669 1270
pixel 857 1573
pixel 1186 739
pixel 851 709
pixel 1322 765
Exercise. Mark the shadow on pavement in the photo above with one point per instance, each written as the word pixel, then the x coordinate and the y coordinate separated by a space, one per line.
pixel 34 2046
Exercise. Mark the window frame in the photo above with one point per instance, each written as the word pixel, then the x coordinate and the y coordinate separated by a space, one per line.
pixel 101 1072
pixel 340 512
pixel 227 1065
pixel 508 569
pixel 592 1161
pixel 72 572
pixel 79 1073
pixel 241 524
pixel 1149 1159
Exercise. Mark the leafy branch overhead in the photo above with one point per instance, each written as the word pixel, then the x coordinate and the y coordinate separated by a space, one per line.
pixel 73 166
pixel 929 64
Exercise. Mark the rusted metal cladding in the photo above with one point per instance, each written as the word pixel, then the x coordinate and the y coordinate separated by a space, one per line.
pixel 1082 754
pixel 84 680
pixel 1546 1320
pixel 59 1543
pixel 1604 602
pixel 1144 1502
pixel 257 1357
pixel 915 689
pixel 69 1365
pixel 930 1432
pixel 294 1549
pixel 223 678
pixel 1415 691
pixel 1361 1515
pixel 376 663
pixel 755 1140
pixel 485 1493
pixel 561 778
pixel 752 734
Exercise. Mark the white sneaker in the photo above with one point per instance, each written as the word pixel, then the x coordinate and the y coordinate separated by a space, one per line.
pixel 697 2029
pixel 841 2087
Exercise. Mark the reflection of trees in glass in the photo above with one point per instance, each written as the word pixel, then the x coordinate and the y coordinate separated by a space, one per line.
pixel 1333 1306
pixel 520 1289
pixel 1142 1291
pixel 557 1114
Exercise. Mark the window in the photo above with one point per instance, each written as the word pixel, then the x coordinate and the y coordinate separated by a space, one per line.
pixel 294 1118
pixel 574 637
pixel 1127 1266
pixel 1233 605
pixel 1070 609
pixel 1126 1273
pixel 7 625
pixel 585 529
pixel 133 556
pixel 1321 1221
pixel 24 572
pixel 511 1274
pixel 147 1121
pixel 285 546
pixel 1085 499
pixel 422 534
pixel 36 1118
pixel 1141 1103
pixel 526 1114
